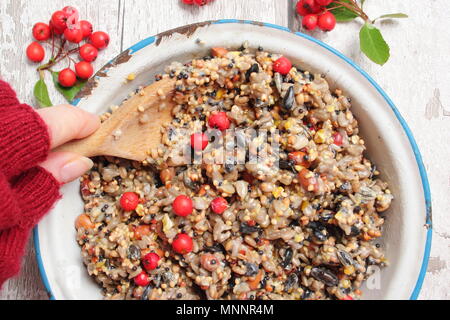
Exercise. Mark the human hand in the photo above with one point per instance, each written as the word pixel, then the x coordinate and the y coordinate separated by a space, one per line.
pixel 66 123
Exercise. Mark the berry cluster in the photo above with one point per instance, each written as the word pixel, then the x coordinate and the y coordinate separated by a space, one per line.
pixel 65 33
pixel 315 14
pixel 197 2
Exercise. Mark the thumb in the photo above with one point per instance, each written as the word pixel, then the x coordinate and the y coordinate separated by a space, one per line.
pixel 66 166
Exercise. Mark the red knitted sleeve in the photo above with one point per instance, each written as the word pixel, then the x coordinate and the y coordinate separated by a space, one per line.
pixel 24 137
pixel 27 191
pixel 32 194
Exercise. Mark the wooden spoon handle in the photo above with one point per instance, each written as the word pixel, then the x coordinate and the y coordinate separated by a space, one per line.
pixel 87 147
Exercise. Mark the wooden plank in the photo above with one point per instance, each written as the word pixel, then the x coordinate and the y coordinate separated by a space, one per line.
pixel 147 18
pixel 414 78
pixel 127 22
pixel 16 21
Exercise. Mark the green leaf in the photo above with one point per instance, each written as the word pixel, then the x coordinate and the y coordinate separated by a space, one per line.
pixel 393 16
pixel 342 14
pixel 41 94
pixel 68 93
pixel 373 44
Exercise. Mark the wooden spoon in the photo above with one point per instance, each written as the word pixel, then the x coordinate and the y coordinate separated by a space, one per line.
pixel 134 128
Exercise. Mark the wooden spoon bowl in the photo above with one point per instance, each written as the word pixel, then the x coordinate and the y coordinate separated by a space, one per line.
pixel 133 129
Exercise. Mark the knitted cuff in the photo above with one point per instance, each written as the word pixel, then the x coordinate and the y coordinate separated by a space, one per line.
pixel 37 190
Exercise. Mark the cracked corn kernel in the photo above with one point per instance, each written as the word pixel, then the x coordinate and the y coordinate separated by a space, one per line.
pixel 140 210
pixel 167 223
pixel 131 77
pixel 277 192
pixel 307 270
pixel 348 270
pixel 288 124
pixel 320 136
pixel 305 204
pixel 220 94
pixel 346 284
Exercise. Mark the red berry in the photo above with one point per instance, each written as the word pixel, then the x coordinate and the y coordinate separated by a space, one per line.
pixel 327 21
pixel 347 297
pixel 54 29
pixel 323 3
pixel 41 31
pixel 199 141
pixel 150 261
pixel 74 35
pixel 142 279
pixel 59 20
pixel 71 12
pixel 201 2
pixel 129 201
pixel 309 22
pixel 73 23
pixel 86 28
pixel 67 78
pixel 88 52
pixel 182 243
pixel 188 1
pixel 219 120
pixel 305 7
pixel 100 39
pixel 182 206
pixel 313 6
pixel 219 205
pixel 338 140
pixel 301 10
pixel 282 66
pixel 84 70
pixel 35 52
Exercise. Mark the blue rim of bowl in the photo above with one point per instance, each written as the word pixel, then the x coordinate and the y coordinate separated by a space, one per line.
pixel 425 184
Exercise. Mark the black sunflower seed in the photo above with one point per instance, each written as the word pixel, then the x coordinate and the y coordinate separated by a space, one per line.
pixel 291 281
pixel 134 253
pixel 253 68
pixel 252 269
pixel 146 292
pixel 246 229
pixel 287 259
pixel 289 99
pixel 345 258
pixel 325 276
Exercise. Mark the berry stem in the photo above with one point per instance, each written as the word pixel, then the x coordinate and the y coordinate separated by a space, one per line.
pixel 62 54
pixel 334 8
pixel 53 44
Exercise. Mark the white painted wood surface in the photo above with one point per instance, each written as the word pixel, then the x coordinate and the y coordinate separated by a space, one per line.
pixel 417 78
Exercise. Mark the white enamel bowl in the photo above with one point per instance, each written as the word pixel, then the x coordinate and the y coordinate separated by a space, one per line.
pixel 407 234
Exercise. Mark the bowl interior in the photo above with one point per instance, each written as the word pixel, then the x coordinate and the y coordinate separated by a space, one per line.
pixel 388 147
